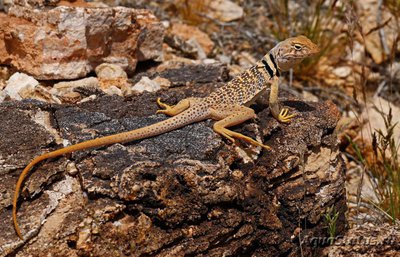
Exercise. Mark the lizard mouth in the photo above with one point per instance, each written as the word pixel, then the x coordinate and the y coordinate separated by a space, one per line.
pixel 296 56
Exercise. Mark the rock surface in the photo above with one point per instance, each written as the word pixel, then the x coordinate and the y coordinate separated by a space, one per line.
pixel 67 91
pixel 367 240
pixel 187 192
pixel 225 10
pixel 113 79
pixel 146 84
pixel 183 74
pixel 22 86
pixel 19 85
pixel 69 42
pixel 190 33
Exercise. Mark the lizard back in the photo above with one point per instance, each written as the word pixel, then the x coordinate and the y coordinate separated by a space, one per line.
pixel 244 88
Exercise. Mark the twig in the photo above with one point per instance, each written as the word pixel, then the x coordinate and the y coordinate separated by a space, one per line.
pixel 379 89
pixel 381 30
pixel 379 26
pixel 332 91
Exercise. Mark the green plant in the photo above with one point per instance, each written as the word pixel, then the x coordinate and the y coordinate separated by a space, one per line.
pixel 331 216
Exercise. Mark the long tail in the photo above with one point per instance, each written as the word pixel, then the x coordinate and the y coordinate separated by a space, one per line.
pixel 189 116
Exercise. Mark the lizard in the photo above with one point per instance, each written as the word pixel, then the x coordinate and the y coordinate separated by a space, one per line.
pixel 228 105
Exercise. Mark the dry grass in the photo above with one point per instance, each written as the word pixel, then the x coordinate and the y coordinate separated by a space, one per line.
pixel 322 22
pixel 378 158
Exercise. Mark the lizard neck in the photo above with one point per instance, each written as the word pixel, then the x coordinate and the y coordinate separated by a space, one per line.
pixel 268 65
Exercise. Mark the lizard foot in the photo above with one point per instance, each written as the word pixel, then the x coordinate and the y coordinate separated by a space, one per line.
pixel 251 141
pixel 172 110
pixel 229 134
pixel 167 108
pixel 284 117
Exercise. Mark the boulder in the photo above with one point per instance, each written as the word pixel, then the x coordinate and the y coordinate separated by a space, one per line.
pixel 186 192
pixel 69 42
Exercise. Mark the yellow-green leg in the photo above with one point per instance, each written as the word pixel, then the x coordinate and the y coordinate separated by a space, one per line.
pixel 281 115
pixel 232 117
pixel 174 109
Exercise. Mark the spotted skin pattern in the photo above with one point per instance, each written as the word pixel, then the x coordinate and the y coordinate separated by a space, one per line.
pixel 228 105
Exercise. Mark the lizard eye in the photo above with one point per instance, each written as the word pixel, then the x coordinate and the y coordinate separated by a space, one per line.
pixel 297 47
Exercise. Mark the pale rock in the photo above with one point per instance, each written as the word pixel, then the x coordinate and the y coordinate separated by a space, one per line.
pixel 373 40
pixel 113 79
pixel 3 84
pixel 123 85
pixel 6 5
pixel 88 99
pixel 19 85
pixel 356 53
pixel 209 61
pixel 113 90
pixel 146 84
pixel 35 3
pixel 374 77
pixel 43 94
pixel 193 36
pixel 342 72
pixel 22 86
pixel 66 88
pixel 4 76
pixel 166 23
pixel 68 42
pixel 224 58
pixel 110 71
pixel 163 82
pixel 246 60
pixel 309 97
pixel 200 51
pixel 175 63
pixel 225 10
pixel 5 73
pixel 374 120
pixel 235 70
pixel 395 72
pixel 72 97
pixel 175 44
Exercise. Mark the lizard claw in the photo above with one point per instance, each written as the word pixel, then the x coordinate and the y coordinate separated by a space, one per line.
pixel 161 104
pixel 167 108
pixel 160 111
pixel 284 117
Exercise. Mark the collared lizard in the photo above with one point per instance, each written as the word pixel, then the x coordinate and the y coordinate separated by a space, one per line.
pixel 229 105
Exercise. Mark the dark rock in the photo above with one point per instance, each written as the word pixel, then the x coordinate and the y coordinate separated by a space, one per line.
pixel 364 240
pixel 187 192
pixel 187 74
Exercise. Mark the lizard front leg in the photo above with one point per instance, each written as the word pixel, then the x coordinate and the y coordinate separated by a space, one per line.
pixel 281 115
pixel 233 116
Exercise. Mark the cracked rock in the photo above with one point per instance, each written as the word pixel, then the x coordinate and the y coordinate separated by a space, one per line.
pixel 186 192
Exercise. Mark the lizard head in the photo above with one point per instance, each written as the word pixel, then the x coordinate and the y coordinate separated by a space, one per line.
pixel 292 51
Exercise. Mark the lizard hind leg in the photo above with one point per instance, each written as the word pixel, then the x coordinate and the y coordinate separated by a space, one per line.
pixel 172 110
pixel 230 117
